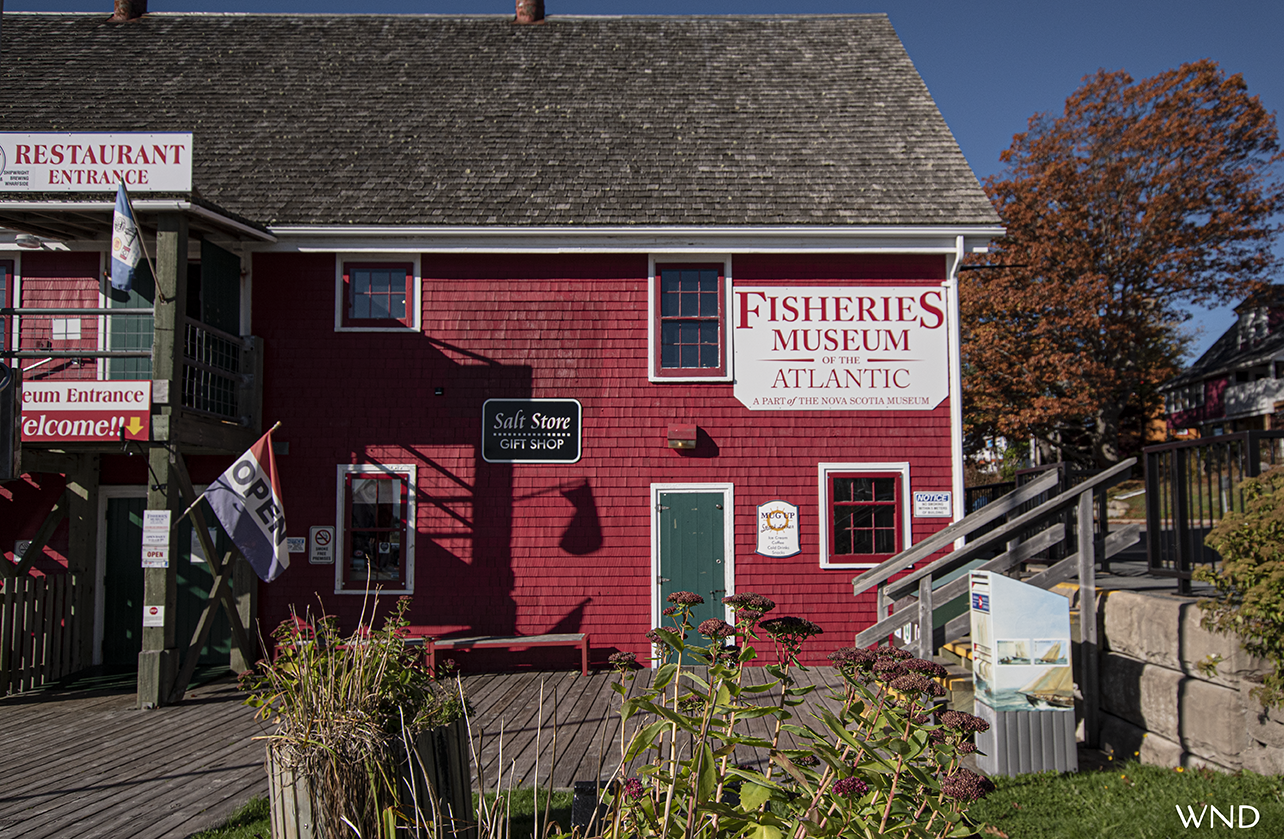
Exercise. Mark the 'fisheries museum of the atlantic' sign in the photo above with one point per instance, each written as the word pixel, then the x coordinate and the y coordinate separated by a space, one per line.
pixel 531 430
pixel 875 348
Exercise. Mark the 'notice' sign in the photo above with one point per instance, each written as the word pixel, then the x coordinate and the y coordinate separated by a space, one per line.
pixel 95 162
pixel 531 430
pixel 86 411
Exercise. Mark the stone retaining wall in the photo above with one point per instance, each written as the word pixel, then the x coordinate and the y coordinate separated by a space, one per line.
pixel 1159 705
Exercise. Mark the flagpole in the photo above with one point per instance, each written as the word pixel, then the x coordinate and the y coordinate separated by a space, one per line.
pixel 192 506
pixel 142 245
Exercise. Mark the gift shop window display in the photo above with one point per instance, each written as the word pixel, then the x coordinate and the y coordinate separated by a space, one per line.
pixel 376 520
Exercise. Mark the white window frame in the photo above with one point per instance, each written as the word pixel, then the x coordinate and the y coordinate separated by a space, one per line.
pixel 341 472
pixel 414 307
pixel 901 468
pixel 728 321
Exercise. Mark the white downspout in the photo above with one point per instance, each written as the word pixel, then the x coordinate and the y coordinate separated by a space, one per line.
pixel 951 287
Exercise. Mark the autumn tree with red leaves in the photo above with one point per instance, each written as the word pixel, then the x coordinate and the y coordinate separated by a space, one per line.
pixel 1142 199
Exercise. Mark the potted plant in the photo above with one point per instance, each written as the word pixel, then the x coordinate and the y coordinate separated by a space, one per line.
pixel 366 741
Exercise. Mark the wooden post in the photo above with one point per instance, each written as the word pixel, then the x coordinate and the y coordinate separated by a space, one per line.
pixel 1088 621
pixel 158 661
pixel 925 633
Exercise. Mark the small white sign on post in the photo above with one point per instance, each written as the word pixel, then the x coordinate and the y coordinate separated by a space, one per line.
pixel 155 556
pixel 778 529
pixel 156 538
pixel 933 505
pixel 156 527
pixel 153 616
pixel 321 540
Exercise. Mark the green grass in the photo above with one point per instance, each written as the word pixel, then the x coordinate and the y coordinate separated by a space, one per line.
pixel 249 822
pixel 523 808
pixel 1129 801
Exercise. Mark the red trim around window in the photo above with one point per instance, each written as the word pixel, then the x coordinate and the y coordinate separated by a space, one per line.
pixel 374 294
pixel 864 516
pixel 689 321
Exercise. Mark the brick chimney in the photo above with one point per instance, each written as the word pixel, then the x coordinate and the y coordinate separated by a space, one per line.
pixel 528 11
pixel 128 10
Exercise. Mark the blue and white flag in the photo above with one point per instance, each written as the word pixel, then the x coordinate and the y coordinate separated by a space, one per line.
pixel 126 247
pixel 246 499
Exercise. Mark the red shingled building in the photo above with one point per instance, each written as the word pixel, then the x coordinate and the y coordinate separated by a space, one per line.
pixel 551 329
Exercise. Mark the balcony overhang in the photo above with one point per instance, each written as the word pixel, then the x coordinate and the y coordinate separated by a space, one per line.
pixel 90 220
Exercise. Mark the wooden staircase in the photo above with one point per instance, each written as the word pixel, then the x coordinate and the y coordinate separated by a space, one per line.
pixel 1041 533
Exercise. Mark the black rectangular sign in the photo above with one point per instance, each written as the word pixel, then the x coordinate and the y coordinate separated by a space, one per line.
pixel 531 430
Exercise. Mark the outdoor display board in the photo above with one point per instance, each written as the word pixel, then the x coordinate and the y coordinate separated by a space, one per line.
pixel 1020 645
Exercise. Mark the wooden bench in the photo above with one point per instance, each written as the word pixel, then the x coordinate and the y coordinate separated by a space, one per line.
pixel 476 642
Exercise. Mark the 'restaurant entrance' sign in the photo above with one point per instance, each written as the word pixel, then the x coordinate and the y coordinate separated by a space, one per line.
pixel 876 348
pixel 95 162
pixel 59 412
pixel 531 430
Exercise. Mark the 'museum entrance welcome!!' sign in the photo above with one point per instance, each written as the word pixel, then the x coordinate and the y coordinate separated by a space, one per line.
pixel 878 348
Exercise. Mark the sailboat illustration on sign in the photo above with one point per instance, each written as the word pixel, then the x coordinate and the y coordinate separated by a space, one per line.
pixel 1053 687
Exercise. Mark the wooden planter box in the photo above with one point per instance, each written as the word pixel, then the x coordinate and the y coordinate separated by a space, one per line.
pixel 444 753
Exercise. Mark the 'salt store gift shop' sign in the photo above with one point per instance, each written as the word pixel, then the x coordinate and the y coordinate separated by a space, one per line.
pixel 531 430
pixel 880 348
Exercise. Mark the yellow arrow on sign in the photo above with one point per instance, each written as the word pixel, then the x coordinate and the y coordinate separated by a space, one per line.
pixel 134 426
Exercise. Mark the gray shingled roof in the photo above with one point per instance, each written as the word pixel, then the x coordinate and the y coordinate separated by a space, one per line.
pixel 390 119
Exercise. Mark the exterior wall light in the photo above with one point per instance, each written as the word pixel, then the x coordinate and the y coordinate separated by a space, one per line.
pixel 682 436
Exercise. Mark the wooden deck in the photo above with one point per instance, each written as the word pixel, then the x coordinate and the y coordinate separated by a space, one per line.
pixel 86 763
pixel 573 733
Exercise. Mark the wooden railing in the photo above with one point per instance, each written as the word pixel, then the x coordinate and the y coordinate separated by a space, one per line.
pixel 36 639
pixel 1024 535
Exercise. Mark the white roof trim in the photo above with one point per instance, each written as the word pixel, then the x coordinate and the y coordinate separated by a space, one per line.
pixel 446 239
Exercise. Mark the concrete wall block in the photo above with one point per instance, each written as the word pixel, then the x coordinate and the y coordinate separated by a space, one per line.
pixel 1213 721
pixel 1142 694
pixel 1264 727
pixel 1142 626
pixel 1165 629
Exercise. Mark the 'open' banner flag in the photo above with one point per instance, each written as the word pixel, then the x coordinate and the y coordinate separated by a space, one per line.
pixel 247 501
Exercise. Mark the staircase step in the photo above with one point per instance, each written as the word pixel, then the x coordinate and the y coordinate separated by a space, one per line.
pixel 958 685
pixel 958 652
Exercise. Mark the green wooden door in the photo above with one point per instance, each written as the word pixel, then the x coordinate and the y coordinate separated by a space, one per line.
pixel 692 549
pixel 123 583
pixel 123 588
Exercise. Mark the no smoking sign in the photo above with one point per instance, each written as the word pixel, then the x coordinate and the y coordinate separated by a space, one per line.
pixel 321 545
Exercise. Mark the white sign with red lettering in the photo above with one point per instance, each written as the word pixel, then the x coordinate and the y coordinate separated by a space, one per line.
pixel 79 410
pixel 828 348
pixel 95 162
pixel 153 616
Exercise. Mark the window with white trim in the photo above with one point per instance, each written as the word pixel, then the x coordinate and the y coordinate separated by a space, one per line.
pixel 864 513
pixel 690 338
pixel 377 294
pixel 376 515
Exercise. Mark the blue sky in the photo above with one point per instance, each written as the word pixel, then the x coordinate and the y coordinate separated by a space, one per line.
pixel 990 64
